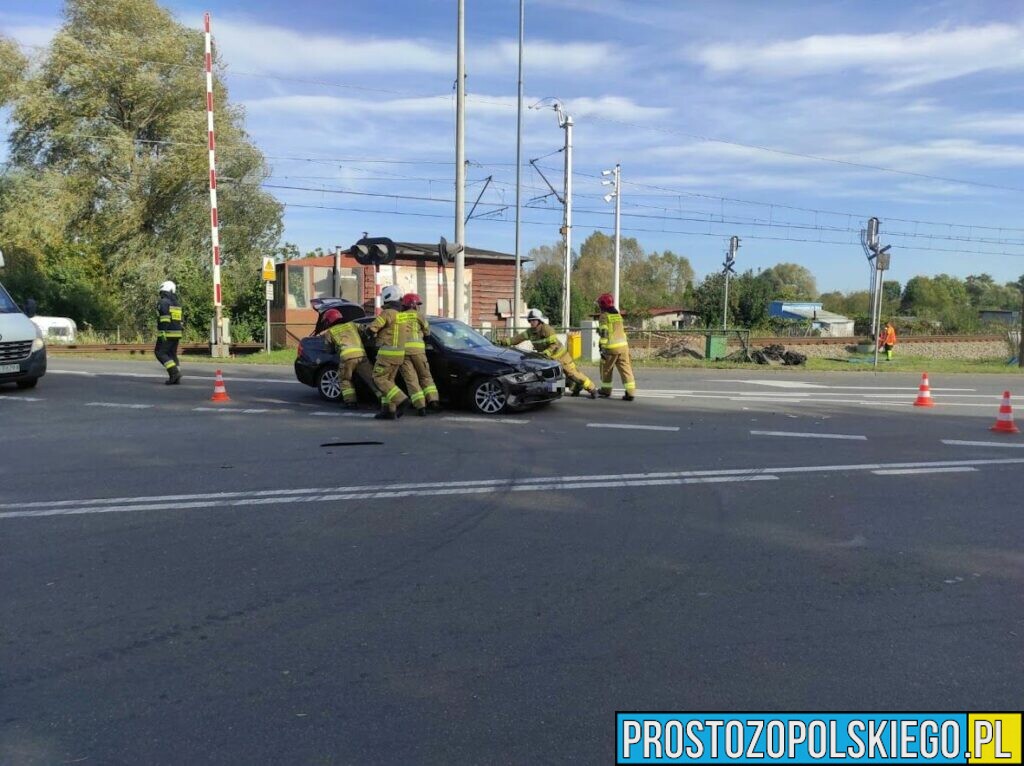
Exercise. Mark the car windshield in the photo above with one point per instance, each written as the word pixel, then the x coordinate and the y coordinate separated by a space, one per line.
pixel 7 304
pixel 453 334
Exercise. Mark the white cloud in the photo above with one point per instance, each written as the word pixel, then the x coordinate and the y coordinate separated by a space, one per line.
pixel 902 60
pixel 253 46
pixel 994 123
pixel 266 48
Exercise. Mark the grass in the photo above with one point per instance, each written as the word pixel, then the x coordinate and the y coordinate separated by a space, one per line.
pixel 907 364
pixel 284 356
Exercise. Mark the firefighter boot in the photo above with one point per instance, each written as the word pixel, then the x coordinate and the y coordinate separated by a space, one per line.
pixel 434 406
pixel 385 413
pixel 175 377
pixel 576 388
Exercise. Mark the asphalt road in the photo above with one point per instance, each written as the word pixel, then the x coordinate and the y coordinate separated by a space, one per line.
pixel 272 580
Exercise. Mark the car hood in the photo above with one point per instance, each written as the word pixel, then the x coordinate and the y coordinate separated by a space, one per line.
pixel 520 361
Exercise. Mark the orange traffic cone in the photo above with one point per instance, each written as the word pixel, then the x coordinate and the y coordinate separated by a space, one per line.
pixel 1004 420
pixel 220 394
pixel 924 393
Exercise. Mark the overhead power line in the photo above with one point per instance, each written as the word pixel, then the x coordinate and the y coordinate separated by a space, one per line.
pixel 591 116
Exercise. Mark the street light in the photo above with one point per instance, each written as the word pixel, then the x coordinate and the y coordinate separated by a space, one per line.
pixel 564 122
pixel 615 194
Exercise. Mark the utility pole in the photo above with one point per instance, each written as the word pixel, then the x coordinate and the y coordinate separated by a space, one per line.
pixel 518 293
pixel 727 269
pixel 1020 349
pixel 617 194
pixel 460 164
pixel 878 260
pixel 565 122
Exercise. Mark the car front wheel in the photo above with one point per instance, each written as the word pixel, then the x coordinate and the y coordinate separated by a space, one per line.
pixel 488 397
pixel 328 384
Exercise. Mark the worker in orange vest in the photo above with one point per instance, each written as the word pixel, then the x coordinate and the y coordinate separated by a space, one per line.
pixel 888 340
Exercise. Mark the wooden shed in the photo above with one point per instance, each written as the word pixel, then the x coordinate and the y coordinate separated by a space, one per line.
pixel 489 287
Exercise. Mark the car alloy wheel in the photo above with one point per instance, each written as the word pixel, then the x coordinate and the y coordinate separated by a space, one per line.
pixel 489 397
pixel 329 384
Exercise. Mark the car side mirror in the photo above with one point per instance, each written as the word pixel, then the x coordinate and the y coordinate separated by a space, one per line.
pixel 31 307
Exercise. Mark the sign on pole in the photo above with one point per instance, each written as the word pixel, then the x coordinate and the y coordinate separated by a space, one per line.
pixel 269 272
pixel 270 291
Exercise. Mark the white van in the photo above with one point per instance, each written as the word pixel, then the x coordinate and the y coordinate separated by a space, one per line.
pixel 22 348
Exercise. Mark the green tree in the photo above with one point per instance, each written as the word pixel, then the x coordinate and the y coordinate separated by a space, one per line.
pixel 791 282
pixel 109 139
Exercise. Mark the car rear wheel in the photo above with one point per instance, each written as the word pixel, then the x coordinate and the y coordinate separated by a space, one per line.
pixel 488 397
pixel 328 384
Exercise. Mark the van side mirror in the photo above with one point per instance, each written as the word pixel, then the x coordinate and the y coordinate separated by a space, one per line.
pixel 31 307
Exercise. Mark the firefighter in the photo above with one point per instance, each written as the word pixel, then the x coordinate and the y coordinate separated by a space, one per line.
pixel 168 331
pixel 614 349
pixel 888 340
pixel 545 342
pixel 415 369
pixel 344 337
pixel 390 355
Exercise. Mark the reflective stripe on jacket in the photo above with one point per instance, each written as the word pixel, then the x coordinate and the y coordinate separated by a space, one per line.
pixel 169 317
pixel 414 330
pixel 345 338
pixel 544 341
pixel 386 326
pixel 612 331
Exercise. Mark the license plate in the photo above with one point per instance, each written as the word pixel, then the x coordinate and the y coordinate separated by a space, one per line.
pixel 5 368
pixel 555 386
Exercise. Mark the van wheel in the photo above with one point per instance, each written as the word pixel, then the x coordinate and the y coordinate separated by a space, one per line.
pixel 328 384
pixel 30 383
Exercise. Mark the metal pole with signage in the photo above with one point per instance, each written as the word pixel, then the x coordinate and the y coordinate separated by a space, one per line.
pixel 269 277
pixel 727 269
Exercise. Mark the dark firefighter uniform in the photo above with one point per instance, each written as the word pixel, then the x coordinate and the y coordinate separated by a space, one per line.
pixel 351 358
pixel 415 369
pixel 614 353
pixel 546 342
pixel 168 334
pixel 390 356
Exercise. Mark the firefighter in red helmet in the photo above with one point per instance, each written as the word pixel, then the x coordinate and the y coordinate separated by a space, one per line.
pixel 614 349
pixel 415 369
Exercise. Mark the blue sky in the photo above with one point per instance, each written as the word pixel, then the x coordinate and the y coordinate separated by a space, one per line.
pixel 355 100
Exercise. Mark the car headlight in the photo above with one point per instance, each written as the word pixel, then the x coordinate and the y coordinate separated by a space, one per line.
pixel 522 377
pixel 38 344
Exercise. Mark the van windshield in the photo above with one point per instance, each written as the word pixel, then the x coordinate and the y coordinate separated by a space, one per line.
pixel 7 304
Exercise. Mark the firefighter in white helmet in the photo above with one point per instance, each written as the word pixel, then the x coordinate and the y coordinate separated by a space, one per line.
pixel 387 327
pixel 545 341
pixel 169 329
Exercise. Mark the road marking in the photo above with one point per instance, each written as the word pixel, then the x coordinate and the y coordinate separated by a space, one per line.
pixel 119 404
pixel 473 486
pixel 630 426
pixel 16 398
pixel 232 410
pixel 851 437
pixel 468 419
pixel 800 384
pixel 958 443
pixel 323 414
pixel 906 471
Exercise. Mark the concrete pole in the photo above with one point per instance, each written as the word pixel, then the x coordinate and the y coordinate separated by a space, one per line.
pixel 725 303
pixel 567 227
pixel 1020 351
pixel 518 292
pixel 460 164
pixel 619 218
